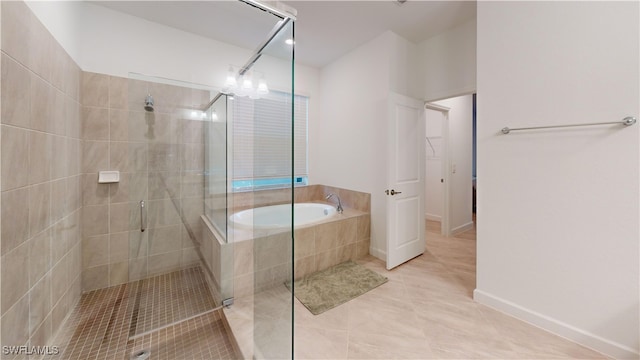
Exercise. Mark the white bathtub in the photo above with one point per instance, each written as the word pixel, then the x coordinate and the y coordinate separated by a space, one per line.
pixel 279 216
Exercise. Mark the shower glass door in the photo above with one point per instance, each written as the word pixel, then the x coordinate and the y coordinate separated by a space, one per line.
pixel 184 176
pixel 271 172
pixel 163 176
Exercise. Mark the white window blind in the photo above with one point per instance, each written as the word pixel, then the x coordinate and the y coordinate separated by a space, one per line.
pixel 262 137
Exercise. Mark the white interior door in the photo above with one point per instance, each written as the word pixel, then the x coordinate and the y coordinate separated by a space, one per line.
pixel 405 180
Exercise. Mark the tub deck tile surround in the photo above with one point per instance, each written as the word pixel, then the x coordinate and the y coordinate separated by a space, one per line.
pixel 354 199
pixel 312 193
pixel 342 237
pixel 262 258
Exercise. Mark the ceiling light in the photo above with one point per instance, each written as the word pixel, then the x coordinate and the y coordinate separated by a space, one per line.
pixel 231 79
pixel 247 84
pixel 262 89
pixel 289 42
pixel 241 83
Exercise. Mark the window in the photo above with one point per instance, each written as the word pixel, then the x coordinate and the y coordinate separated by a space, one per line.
pixel 262 141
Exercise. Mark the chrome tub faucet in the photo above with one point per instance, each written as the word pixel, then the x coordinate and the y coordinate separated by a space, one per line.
pixel 339 207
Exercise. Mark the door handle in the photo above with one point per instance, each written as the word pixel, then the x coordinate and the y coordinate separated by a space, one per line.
pixel 392 192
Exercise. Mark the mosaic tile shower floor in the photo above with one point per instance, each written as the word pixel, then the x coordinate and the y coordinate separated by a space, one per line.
pixel 115 322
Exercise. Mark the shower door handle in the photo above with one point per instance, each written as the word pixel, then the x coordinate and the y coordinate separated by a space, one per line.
pixel 143 217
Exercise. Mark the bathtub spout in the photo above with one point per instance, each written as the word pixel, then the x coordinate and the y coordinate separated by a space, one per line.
pixel 339 207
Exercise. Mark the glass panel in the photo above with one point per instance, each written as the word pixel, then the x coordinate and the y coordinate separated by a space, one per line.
pixel 273 247
pixel 216 181
pixel 170 262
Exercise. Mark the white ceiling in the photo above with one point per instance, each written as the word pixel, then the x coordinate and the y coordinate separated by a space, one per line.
pixel 325 30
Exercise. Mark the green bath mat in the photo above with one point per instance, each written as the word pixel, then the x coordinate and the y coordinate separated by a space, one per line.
pixel 326 289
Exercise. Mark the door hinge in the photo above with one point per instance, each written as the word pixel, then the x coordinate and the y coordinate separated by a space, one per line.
pixel 227 302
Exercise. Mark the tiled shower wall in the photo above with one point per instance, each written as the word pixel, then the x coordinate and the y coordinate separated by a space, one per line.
pixel 40 188
pixel 61 232
pixel 160 156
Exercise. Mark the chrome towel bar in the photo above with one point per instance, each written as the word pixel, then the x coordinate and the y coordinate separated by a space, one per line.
pixel 628 121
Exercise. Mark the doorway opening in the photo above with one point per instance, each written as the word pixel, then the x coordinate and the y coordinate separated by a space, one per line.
pixel 450 166
pixel 450 185
pixel 436 166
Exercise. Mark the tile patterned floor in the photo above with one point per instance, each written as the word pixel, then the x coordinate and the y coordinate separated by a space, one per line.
pixel 168 298
pixel 201 338
pixel 104 325
pixel 425 311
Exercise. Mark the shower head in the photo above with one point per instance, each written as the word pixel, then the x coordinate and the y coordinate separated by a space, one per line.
pixel 148 103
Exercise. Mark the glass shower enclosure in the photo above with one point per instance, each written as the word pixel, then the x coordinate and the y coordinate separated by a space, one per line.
pixel 249 165
pixel 165 182
pixel 188 147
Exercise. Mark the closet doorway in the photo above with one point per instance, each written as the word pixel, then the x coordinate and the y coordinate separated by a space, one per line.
pixel 450 164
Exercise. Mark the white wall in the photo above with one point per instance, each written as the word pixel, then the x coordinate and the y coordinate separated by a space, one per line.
pixel 347 147
pixel 405 69
pixel 62 19
pixel 460 161
pixel 558 210
pixel 109 42
pixel 448 61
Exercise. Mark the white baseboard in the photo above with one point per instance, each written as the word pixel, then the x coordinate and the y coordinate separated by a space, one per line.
pixel 380 254
pixel 460 229
pixel 580 336
pixel 432 217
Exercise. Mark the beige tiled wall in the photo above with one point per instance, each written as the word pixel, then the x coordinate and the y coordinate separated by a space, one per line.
pixel 160 156
pixel 40 180
pixel 322 246
pixel 313 193
pixel 218 258
pixel 352 199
